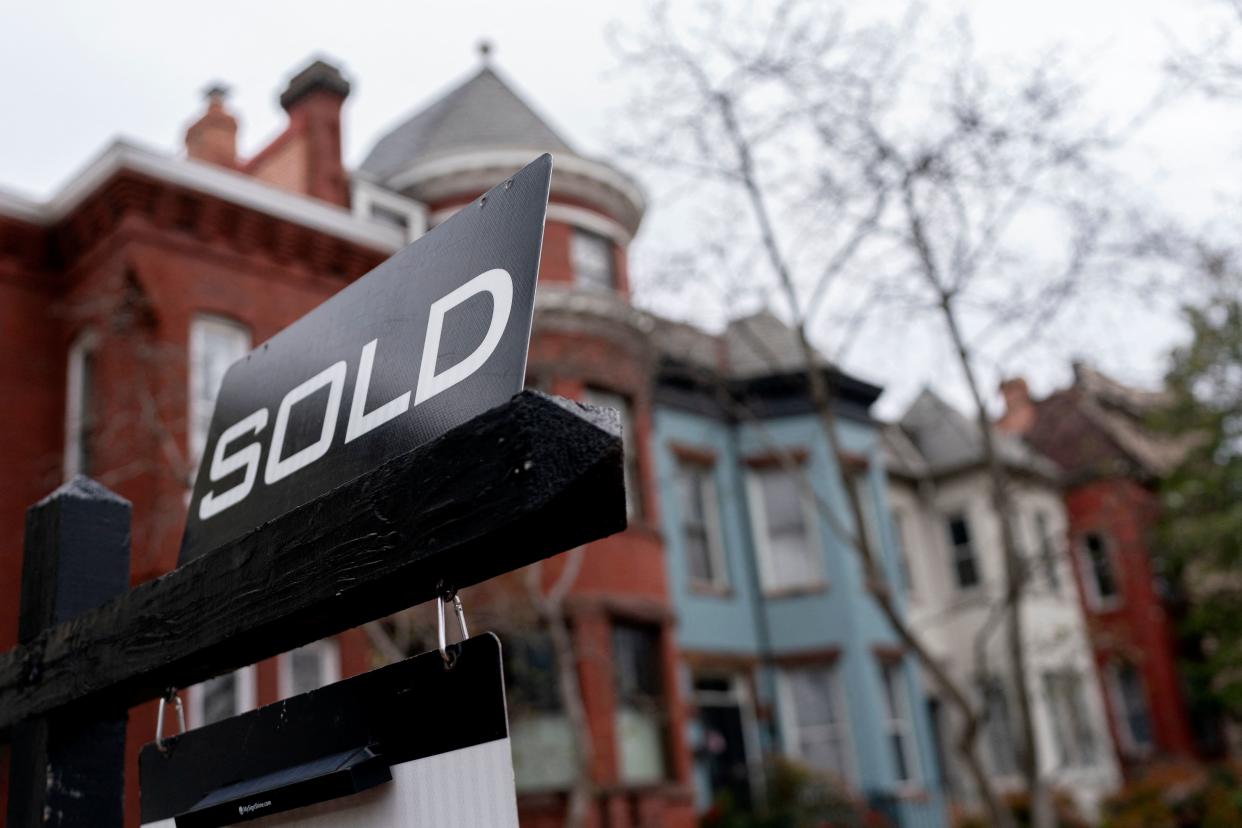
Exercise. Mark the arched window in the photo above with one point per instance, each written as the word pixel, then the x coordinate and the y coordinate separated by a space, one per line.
pixel 215 343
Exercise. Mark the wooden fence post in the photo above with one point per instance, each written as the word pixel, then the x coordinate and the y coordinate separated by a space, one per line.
pixel 68 769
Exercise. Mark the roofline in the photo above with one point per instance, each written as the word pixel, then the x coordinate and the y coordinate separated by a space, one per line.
pixel 225 184
pixel 565 164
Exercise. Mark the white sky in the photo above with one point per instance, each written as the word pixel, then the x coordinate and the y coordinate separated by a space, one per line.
pixel 78 74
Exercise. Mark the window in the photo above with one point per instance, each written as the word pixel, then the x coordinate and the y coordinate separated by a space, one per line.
pixel 1048 551
pixel 1130 704
pixel 640 703
pixel 998 724
pixel 814 719
pixel 540 735
pixel 1101 580
pixel 370 201
pixel 789 555
pixel 80 405
pixel 608 399
pixel 1071 724
pixel 221 697
pixel 700 526
pixel 591 257
pixel 309 668
pixel 897 721
pixel 901 537
pixel 965 567
pixel 215 344
pixel 860 482
pixel 726 743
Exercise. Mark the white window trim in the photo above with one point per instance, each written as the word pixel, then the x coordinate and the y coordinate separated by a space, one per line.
pixel 1120 714
pixel 244 698
pixel 193 451
pixel 1097 602
pixel 738 694
pixel 715 540
pixel 906 725
pixel 367 194
pixel 964 513
pixel 1049 542
pixel 85 343
pixel 899 518
pixel 759 529
pixel 575 234
pixel 329 666
pixel 788 715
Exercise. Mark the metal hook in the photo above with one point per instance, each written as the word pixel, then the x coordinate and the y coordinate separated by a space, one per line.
pixel 169 696
pixel 460 612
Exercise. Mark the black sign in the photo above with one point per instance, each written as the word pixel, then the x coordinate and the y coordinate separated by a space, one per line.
pixel 434 336
pixel 413 743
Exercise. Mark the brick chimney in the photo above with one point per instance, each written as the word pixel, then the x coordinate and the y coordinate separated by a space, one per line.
pixel 213 137
pixel 306 157
pixel 1019 414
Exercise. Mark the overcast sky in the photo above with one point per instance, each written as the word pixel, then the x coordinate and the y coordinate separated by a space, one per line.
pixel 78 74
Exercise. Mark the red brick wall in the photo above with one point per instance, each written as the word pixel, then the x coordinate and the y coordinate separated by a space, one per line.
pixel 1138 629
pixel 143 260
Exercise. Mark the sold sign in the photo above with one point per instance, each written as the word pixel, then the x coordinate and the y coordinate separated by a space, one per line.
pixel 434 336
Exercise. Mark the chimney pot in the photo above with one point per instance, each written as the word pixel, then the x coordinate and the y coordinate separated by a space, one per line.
pixel 1020 412
pixel 213 137
pixel 318 76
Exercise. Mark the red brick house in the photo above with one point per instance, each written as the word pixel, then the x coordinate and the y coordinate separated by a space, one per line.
pixel 125 296
pixel 1095 431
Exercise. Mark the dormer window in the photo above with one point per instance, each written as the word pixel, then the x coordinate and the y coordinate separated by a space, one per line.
pixel 591 257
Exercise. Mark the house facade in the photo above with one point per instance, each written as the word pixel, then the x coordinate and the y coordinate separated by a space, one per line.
pixel 950 540
pixel 125 297
pixel 783 652
pixel 1112 461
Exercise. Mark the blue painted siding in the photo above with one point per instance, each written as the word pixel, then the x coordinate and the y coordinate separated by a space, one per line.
pixel 842 617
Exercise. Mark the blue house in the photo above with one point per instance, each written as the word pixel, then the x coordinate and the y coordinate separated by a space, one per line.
pixel 784 653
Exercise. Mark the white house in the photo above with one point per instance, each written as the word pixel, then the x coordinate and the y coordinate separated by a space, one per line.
pixel 954 573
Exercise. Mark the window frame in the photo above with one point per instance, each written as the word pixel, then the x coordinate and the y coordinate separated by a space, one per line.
pixel 1065 690
pixel 329 666
pixel 1121 711
pixel 581 235
pixel 813 542
pixel 842 730
pixel 898 726
pixel 1048 550
pixel 196 444
pixel 78 424
pixel 719 580
pixel 899 518
pixel 1098 602
pixel 631 453
pixel 964 515
pixel 1009 766
pixel 657 700
pixel 245 695
pixel 368 196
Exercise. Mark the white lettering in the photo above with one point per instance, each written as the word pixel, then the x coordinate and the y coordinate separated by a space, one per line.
pixel 499 284
pixel 280 467
pixel 221 466
pixel 360 423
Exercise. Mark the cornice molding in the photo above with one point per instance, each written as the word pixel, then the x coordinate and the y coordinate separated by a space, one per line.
pixel 441 178
pixel 226 185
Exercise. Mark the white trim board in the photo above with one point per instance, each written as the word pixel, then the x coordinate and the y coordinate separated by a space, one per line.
pixel 235 187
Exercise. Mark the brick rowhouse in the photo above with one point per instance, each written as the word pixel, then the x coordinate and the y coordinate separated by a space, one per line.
pixel 1094 430
pixel 108 280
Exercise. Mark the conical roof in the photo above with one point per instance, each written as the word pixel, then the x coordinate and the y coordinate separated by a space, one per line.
pixel 484 112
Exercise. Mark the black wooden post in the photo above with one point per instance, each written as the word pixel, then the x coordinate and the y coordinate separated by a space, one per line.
pixel 68 768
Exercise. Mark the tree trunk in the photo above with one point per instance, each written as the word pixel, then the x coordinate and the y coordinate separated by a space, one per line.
pixel 1042 815
pixel 877 582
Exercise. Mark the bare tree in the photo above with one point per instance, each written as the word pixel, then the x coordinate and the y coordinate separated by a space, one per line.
pixel 877 167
